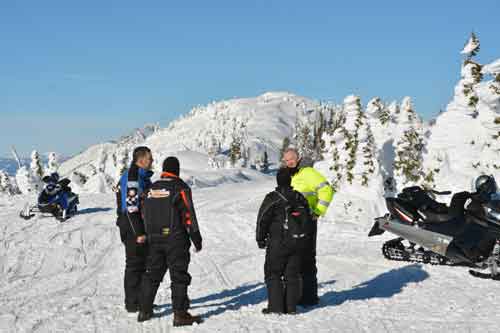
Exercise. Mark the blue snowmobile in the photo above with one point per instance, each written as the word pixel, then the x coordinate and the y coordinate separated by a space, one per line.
pixel 56 199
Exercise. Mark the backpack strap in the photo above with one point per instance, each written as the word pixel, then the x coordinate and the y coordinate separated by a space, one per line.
pixel 285 225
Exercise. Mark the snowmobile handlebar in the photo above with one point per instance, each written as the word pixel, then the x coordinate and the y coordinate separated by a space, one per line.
pixel 440 192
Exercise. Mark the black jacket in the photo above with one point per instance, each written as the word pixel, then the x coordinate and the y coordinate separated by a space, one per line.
pixel 174 217
pixel 272 213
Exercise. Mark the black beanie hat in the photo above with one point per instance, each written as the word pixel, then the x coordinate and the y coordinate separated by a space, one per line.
pixel 171 164
pixel 283 177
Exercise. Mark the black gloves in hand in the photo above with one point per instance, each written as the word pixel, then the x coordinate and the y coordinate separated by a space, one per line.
pixel 196 239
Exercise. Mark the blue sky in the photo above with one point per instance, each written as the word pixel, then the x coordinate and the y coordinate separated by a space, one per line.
pixel 77 73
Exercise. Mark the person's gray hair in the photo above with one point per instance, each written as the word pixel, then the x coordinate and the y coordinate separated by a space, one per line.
pixel 291 149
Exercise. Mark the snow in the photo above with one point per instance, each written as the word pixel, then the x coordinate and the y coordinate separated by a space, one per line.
pixel 68 276
pixel 492 68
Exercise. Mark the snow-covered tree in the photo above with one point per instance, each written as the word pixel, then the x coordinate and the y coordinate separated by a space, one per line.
pixel 101 161
pixel 377 109
pixel 25 181
pixel 214 149
pixel 408 164
pixel 369 154
pixel 304 139
pixel 36 170
pixel 122 162
pixel 6 185
pixel 472 46
pixel 318 144
pixel 52 164
pixel 394 110
pixel 351 154
pixel 36 164
pixel 408 113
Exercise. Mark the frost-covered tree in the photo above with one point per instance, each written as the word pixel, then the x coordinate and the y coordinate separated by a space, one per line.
pixel 318 144
pixel 122 162
pixel 101 161
pixel 408 111
pixel 408 164
pixel 52 164
pixel 25 181
pixel 36 165
pixel 214 149
pixel 235 151
pixel 36 171
pixel 472 46
pixel 351 152
pixel 304 139
pixel 377 109
pixel 369 155
pixel 6 185
pixel 394 110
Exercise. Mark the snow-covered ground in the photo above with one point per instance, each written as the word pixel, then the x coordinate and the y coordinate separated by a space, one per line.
pixel 67 277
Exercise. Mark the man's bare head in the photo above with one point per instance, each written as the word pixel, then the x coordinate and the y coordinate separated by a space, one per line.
pixel 291 157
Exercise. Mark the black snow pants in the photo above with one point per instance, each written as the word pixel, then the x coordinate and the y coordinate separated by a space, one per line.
pixel 282 275
pixel 135 263
pixel 174 256
pixel 309 270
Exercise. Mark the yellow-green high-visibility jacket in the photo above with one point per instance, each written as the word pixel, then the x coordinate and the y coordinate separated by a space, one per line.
pixel 315 188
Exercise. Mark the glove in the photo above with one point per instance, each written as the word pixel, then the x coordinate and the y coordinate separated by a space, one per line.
pixel 197 241
pixel 261 244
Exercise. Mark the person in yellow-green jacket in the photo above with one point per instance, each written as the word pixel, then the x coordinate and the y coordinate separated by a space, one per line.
pixel 318 193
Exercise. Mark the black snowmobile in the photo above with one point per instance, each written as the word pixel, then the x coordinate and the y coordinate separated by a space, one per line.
pixel 56 199
pixel 467 232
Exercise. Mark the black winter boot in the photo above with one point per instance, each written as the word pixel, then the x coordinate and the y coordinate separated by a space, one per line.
pixel 144 316
pixel 184 318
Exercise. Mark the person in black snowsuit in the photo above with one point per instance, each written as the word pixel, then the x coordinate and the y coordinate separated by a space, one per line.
pixel 171 224
pixel 129 192
pixel 282 268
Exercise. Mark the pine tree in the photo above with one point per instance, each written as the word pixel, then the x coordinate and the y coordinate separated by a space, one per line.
pixel 379 110
pixel 473 72
pixel 369 157
pixel 25 181
pixel 52 164
pixel 304 140
pixel 101 161
pixel 472 46
pixel 318 144
pixel 408 161
pixel 408 111
pixel 36 165
pixel 235 151
pixel 122 162
pixel 6 185
pixel 36 171
pixel 213 150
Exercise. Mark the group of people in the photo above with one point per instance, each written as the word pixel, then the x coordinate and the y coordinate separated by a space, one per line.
pixel 157 223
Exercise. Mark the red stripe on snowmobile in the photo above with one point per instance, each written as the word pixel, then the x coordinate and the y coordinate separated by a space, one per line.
pixel 404 216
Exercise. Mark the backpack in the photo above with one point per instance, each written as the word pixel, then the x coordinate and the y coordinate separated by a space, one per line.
pixel 297 223
pixel 161 216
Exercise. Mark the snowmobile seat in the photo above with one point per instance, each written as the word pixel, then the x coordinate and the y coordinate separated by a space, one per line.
pixel 455 210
